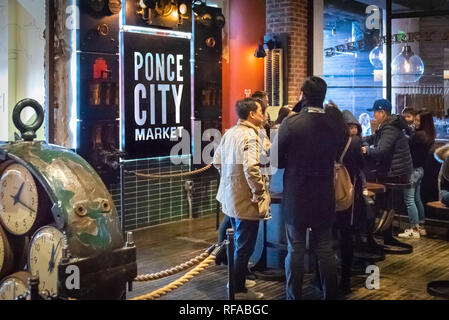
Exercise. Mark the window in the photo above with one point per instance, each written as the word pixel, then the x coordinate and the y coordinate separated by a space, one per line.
pixel 353 57
pixel 352 38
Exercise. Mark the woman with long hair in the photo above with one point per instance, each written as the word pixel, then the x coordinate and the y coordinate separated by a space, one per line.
pixel 420 144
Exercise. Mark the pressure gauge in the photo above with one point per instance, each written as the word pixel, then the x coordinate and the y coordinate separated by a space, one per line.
pixel 20 207
pixel 14 285
pixel 114 6
pixel 206 20
pixel 96 5
pixel 6 254
pixel 44 257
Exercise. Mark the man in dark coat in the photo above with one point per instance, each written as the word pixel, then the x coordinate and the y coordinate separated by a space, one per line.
pixel 388 151
pixel 308 143
pixel 388 148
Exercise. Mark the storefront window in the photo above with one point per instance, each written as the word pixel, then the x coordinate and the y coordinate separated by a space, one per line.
pixel 425 42
pixel 354 56
pixel 408 6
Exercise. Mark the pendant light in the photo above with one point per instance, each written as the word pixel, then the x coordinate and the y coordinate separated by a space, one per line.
pixel 376 57
pixel 407 66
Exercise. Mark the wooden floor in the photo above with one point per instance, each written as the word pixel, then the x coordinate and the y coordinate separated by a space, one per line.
pixel 402 277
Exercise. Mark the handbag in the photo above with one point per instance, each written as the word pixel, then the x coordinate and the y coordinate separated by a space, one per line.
pixel 344 190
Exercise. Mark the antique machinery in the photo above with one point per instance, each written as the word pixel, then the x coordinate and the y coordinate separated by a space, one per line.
pixel 57 215
pixel 209 22
pixel 98 86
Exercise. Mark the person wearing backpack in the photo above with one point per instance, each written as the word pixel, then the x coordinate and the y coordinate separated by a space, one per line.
pixel 308 146
pixel 349 218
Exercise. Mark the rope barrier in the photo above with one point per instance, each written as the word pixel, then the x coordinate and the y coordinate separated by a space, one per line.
pixel 176 269
pixel 179 282
pixel 185 278
pixel 161 176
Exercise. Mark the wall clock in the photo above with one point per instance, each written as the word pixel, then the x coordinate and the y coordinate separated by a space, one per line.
pixel 44 257
pixel 23 205
pixel 14 285
pixel 6 254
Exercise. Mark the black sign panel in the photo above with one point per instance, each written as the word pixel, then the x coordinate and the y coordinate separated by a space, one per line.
pixel 156 93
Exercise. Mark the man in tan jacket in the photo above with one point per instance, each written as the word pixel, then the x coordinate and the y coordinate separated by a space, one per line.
pixel 243 190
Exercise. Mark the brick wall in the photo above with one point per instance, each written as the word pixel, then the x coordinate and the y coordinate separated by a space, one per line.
pixel 290 16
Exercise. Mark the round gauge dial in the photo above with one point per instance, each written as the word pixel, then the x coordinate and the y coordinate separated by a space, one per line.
pixel 220 21
pixel 44 257
pixel 96 5
pixel 206 20
pixel 114 6
pixel 19 199
pixel 164 7
pixel 14 285
pixel 6 254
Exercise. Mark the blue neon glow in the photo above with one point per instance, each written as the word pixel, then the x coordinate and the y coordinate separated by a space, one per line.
pixel 121 79
pixel 73 122
pixel 157 32
pixel 192 89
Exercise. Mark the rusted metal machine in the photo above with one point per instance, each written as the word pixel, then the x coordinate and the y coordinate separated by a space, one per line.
pixel 56 211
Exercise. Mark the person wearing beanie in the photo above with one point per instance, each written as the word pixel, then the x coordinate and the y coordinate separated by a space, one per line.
pixel 348 220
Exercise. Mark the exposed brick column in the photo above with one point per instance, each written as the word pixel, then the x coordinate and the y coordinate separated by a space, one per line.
pixel 290 16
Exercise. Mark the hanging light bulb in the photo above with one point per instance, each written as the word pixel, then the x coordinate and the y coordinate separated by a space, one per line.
pixel 334 30
pixel 376 57
pixel 407 66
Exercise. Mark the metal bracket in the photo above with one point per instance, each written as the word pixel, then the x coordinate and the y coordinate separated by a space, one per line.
pixel 56 210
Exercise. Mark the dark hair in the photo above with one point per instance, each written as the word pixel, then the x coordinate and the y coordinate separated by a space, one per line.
pixel 427 125
pixel 263 104
pixel 314 89
pixel 283 113
pixel 259 94
pixel 245 106
pixel 410 110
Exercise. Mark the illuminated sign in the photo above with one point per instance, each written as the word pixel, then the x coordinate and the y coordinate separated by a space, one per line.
pixel 156 93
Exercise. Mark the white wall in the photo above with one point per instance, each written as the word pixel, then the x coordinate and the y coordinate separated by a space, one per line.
pixel 30 71
pixel 4 70
pixel 26 47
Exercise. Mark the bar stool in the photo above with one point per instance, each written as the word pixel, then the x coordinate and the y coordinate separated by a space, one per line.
pixel 369 253
pixel 391 244
pixel 438 288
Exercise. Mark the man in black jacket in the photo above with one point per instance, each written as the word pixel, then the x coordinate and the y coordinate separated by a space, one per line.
pixel 388 147
pixel 309 142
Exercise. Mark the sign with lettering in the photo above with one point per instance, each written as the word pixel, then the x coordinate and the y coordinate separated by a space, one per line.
pixel 156 93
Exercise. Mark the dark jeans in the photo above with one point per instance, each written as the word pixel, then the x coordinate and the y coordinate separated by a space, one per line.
pixel 345 232
pixel 321 239
pixel 245 241
pixel 225 225
pixel 445 197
